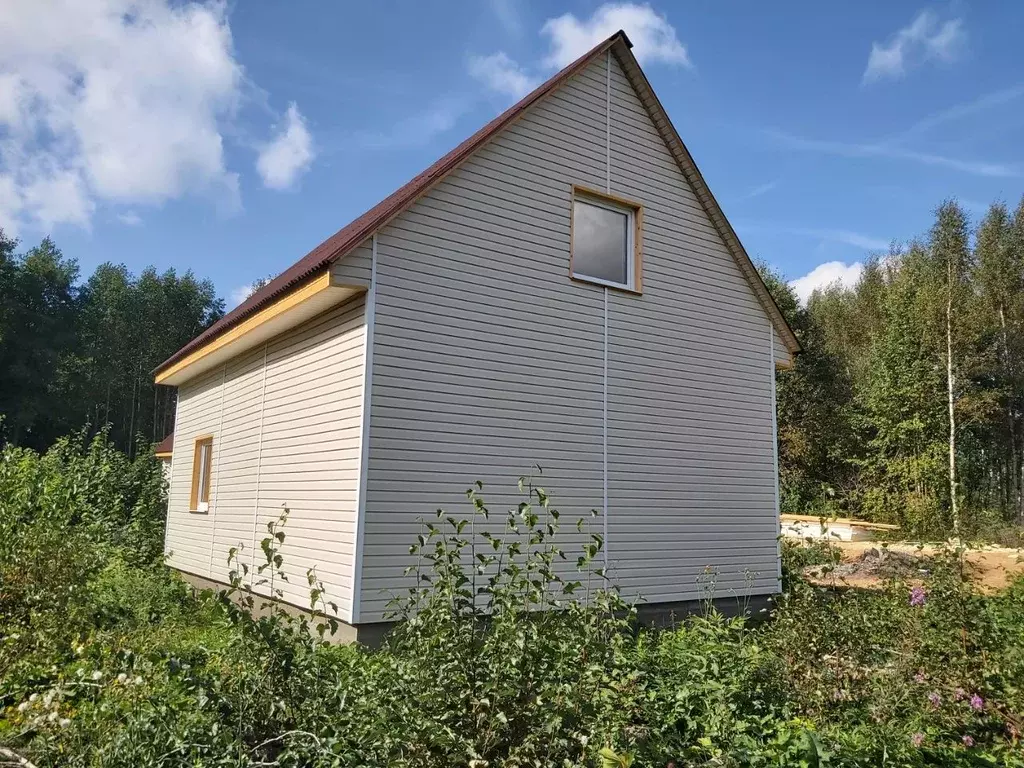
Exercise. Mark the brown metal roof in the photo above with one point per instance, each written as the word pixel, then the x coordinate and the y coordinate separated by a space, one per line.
pixel 347 238
pixel 165 446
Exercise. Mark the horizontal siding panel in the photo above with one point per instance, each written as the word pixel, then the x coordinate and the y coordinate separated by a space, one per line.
pixel 729 391
pixel 312 427
pixel 355 267
pixel 488 359
pixel 287 433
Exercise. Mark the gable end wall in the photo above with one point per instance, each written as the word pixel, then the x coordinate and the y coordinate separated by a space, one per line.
pixel 489 361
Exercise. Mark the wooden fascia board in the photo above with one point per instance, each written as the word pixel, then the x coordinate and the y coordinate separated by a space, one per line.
pixel 304 292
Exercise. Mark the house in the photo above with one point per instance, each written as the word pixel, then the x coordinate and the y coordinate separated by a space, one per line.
pixel 561 290
pixel 164 451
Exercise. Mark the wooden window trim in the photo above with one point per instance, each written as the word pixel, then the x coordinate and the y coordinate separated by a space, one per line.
pixel 201 496
pixel 638 220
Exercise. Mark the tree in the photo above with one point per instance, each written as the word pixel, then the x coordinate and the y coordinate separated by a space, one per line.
pixel 40 300
pixel 951 263
pixel 74 355
pixel 814 413
pixel 1000 280
pixel 902 405
pixel 129 326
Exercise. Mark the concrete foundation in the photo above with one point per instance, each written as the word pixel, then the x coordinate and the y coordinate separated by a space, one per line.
pixel 661 615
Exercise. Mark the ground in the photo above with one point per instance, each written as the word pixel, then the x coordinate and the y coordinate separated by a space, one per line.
pixel 869 563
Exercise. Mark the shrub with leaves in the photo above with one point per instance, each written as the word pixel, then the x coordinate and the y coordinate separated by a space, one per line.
pixel 508 651
pixel 70 519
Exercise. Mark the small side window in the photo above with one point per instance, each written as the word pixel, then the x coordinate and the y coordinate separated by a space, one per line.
pixel 605 240
pixel 202 460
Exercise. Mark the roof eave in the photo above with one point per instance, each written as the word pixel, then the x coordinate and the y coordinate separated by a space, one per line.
pixel 357 231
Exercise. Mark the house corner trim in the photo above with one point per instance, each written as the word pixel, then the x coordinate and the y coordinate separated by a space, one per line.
pixel 370 309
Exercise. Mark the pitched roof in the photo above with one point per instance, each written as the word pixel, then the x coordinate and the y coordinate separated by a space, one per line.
pixel 350 236
pixel 165 446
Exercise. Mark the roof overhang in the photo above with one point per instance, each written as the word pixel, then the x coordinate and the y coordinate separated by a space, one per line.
pixel 689 168
pixel 316 295
pixel 293 281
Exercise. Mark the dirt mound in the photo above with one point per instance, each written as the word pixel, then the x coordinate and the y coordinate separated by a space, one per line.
pixel 867 565
pixel 875 563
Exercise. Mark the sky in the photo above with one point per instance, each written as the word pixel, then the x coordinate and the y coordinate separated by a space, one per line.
pixel 231 138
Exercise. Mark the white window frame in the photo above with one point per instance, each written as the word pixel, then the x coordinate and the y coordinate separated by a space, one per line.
pixel 634 218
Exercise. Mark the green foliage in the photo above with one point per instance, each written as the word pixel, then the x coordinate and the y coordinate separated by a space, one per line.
pixel 74 524
pixel 73 355
pixel 509 652
pixel 816 433
pixel 910 674
pixel 905 406
pixel 798 555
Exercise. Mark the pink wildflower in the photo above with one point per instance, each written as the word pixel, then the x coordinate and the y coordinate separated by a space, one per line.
pixel 917 739
pixel 917 596
pixel 977 703
pixel 934 699
pixel 968 741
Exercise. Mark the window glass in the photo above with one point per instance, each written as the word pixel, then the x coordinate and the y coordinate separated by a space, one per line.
pixel 600 244
pixel 202 460
pixel 204 471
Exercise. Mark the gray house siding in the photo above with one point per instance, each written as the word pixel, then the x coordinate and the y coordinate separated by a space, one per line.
pixel 355 268
pixel 691 472
pixel 286 420
pixel 488 360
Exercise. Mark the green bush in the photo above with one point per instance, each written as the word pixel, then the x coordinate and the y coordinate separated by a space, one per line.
pixel 509 652
pixel 77 524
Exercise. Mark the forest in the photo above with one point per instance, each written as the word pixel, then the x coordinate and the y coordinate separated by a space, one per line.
pixel 906 405
pixel 76 355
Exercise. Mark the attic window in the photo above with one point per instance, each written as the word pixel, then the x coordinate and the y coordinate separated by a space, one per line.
pixel 202 460
pixel 605 240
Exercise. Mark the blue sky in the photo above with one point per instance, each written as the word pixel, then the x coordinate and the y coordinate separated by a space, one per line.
pixel 229 139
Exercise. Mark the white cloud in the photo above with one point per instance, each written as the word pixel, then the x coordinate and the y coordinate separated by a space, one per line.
pixel 760 189
pixel 284 159
pixel 418 129
pixel 129 218
pixel 959 111
pixel 241 293
pixel 825 275
pixel 500 73
pixel 856 239
pixel 507 13
pixel 653 38
pixel 924 39
pixel 112 100
pixel 854 149
pixel 845 236
pixel 56 195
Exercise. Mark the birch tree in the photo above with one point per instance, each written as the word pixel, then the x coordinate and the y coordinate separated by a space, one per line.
pixel 952 262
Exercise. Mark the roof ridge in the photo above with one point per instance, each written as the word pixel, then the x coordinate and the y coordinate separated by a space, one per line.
pixel 363 226
pixel 356 231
